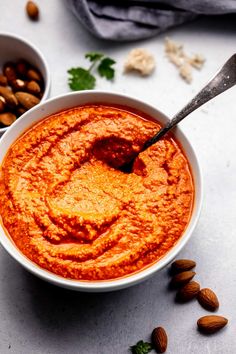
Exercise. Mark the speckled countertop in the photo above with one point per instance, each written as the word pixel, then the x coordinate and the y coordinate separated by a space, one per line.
pixel 38 318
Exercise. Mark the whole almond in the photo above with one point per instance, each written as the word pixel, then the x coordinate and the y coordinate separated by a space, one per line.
pixel 26 99
pixel 33 87
pixel 3 80
pixel 208 299
pixel 7 118
pixel 159 339
pixel 181 265
pixel 9 71
pixel 9 97
pixel 33 74
pixel 188 291
pixel 32 10
pixel 181 279
pixel 211 324
pixel 18 85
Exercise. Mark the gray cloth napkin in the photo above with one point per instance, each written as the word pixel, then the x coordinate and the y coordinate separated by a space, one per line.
pixel 135 19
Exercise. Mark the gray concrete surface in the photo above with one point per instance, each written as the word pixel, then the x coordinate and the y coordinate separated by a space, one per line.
pixel 37 318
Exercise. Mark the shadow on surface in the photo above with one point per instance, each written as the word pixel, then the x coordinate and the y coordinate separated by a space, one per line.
pixel 56 310
pixel 61 319
pixel 51 302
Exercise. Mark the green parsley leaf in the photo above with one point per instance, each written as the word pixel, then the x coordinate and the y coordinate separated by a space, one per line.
pixel 81 79
pixel 94 56
pixel 105 68
pixel 141 348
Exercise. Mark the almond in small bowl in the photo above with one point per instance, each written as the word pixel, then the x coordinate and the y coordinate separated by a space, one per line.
pixel 16 73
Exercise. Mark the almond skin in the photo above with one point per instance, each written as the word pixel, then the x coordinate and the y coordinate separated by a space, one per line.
pixel 18 85
pixel 181 265
pixel 26 99
pixel 7 118
pixel 9 71
pixel 32 10
pixel 33 87
pixel 211 324
pixel 181 279
pixel 159 339
pixel 3 80
pixel 10 98
pixel 33 74
pixel 208 299
pixel 188 292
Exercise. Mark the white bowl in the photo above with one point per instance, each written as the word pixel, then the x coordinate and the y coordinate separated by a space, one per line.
pixel 72 100
pixel 13 48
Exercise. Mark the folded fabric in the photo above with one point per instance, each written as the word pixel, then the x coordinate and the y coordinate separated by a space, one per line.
pixel 135 19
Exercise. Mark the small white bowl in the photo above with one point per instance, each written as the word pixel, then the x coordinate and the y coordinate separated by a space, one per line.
pixel 70 100
pixel 13 48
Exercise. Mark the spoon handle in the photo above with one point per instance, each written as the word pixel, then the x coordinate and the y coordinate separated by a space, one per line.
pixel 222 81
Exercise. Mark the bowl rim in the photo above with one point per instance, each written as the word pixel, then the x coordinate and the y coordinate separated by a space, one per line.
pixel 129 280
pixel 44 62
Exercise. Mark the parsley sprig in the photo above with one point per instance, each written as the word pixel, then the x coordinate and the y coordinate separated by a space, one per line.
pixel 141 348
pixel 83 79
